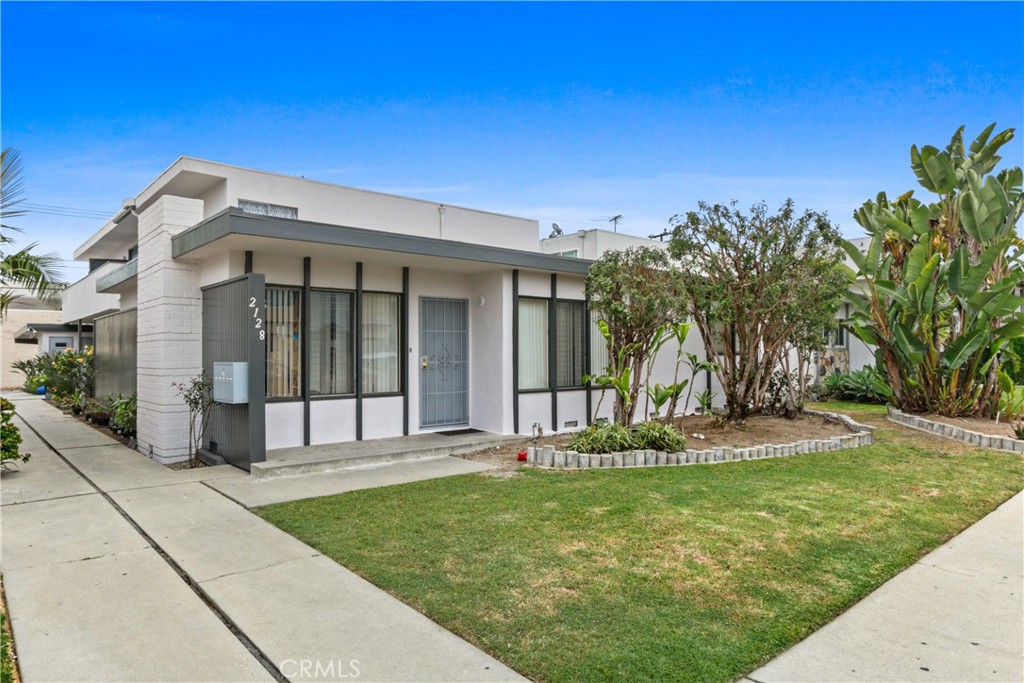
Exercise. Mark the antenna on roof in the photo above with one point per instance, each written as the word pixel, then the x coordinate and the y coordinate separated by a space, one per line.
pixel 555 231
pixel 661 235
pixel 614 220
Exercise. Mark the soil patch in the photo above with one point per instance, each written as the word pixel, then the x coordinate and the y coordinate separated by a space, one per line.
pixel 754 432
pixel 976 424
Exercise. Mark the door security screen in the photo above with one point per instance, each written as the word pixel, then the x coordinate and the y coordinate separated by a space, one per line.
pixel 444 362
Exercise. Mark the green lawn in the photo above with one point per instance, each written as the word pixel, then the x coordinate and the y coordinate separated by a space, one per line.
pixel 676 573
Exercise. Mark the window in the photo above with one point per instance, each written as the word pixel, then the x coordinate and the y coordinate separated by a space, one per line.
pixel 331 367
pixel 837 336
pixel 570 319
pixel 380 336
pixel 533 343
pixel 284 344
pixel 571 253
pixel 264 209
pixel 599 359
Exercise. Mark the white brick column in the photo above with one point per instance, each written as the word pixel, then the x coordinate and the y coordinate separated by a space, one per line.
pixel 170 328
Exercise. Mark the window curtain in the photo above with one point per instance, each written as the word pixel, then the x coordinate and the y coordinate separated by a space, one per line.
pixel 284 356
pixel 533 343
pixel 569 320
pixel 330 343
pixel 380 335
pixel 599 358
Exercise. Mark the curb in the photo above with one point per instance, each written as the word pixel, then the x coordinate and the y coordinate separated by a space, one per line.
pixel 998 443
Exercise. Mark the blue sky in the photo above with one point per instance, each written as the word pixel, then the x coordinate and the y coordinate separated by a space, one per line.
pixel 567 113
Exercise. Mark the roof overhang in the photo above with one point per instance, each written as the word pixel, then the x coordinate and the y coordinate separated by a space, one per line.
pixel 198 241
pixel 29 334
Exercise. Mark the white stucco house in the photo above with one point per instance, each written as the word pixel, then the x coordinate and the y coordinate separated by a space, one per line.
pixel 348 314
pixel 359 315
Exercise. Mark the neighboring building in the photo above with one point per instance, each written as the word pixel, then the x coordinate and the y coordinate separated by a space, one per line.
pixel 23 312
pixel 590 244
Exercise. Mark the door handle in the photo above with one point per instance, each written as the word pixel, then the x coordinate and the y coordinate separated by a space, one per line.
pixel 424 362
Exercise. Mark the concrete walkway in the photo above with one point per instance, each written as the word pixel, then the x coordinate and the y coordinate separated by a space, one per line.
pixel 956 615
pixel 118 569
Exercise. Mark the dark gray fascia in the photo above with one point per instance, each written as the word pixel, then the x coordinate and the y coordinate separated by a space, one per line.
pixel 232 221
pixel 116 277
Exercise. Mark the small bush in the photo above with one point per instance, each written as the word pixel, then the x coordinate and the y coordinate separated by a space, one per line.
pixel 866 385
pixel 613 438
pixel 10 436
pixel 605 438
pixel 657 436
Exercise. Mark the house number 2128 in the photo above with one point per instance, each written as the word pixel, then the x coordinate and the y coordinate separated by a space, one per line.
pixel 257 321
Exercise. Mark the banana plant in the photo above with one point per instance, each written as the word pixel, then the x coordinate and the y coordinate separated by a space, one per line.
pixel 935 290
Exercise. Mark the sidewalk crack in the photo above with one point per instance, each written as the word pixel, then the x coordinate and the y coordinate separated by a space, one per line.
pixel 258 569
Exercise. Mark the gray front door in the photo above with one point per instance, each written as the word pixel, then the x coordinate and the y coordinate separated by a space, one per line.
pixel 444 362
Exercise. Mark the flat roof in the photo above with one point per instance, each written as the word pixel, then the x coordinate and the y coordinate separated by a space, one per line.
pixel 233 221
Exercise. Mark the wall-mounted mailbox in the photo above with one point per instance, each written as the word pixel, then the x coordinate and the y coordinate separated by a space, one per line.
pixel 231 382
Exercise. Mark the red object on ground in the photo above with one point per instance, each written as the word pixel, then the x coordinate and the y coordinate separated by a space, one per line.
pixel 522 456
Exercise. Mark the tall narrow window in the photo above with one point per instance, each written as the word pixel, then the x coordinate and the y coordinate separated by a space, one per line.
pixel 380 337
pixel 598 347
pixel 570 318
pixel 533 343
pixel 331 369
pixel 284 344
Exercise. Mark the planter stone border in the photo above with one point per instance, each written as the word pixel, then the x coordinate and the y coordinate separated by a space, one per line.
pixel 862 435
pixel 998 443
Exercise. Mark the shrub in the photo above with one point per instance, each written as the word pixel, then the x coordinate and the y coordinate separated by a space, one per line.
pixel 866 385
pixel 605 438
pixel 657 436
pixel 10 436
pixel 615 438
pixel 122 413
pixel 63 372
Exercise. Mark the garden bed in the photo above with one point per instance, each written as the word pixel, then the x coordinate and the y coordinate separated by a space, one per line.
pixel 126 441
pixel 757 431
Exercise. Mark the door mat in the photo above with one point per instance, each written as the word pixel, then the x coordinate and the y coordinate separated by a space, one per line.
pixel 457 432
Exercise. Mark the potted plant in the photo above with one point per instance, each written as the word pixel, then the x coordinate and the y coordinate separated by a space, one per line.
pixel 77 402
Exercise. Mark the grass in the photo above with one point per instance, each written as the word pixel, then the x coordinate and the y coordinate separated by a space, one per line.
pixel 8 670
pixel 685 573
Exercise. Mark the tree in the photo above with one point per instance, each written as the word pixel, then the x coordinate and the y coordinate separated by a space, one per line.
pixel 936 285
pixel 36 274
pixel 755 285
pixel 636 296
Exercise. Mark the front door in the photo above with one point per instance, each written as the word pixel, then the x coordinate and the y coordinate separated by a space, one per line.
pixel 444 362
pixel 61 343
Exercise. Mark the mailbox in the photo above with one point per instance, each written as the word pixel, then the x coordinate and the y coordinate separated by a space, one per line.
pixel 231 382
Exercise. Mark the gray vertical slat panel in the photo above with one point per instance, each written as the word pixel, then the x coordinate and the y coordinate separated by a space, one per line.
pixel 228 334
pixel 115 343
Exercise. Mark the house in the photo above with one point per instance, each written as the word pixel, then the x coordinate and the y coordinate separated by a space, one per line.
pixel 329 314
pixel 349 314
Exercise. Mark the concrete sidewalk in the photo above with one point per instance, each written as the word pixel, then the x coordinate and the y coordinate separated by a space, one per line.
pixel 956 615
pixel 92 597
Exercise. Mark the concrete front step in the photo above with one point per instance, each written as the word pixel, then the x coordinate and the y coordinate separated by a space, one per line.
pixel 287 462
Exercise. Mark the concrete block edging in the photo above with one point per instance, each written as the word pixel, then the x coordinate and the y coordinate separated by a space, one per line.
pixel 991 441
pixel 861 435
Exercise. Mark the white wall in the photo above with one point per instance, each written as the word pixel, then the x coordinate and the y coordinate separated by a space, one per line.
pixel 81 301
pixel 331 421
pixel 490 353
pixel 284 424
pixel 382 417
